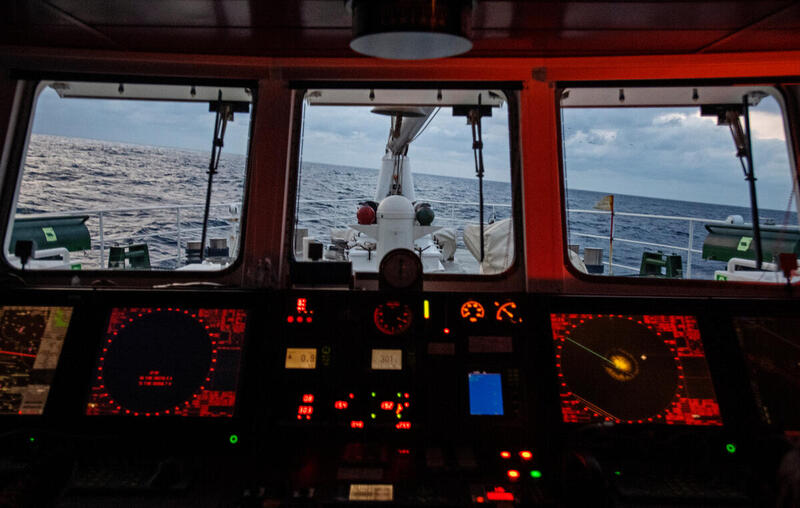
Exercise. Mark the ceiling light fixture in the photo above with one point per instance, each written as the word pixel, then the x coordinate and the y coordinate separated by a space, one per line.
pixel 411 29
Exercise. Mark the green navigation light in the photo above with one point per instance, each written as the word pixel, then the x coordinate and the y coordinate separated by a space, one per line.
pixel 233 439
pixel 618 473
pixel 32 439
pixel 536 474
pixel 730 447
pixel 373 394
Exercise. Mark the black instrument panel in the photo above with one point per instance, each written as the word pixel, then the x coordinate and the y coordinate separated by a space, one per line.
pixel 460 398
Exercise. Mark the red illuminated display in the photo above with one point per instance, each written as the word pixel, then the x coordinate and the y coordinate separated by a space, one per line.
pixel 158 361
pixel 308 398
pixel 387 405
pixel 633 369
pixel 341 404
pixel 302 312
pixel 403 425
pixel 499 494
pixel 155 378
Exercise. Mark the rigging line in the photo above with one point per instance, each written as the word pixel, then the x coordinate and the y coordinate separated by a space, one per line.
pixel 427 123
pixel 299 171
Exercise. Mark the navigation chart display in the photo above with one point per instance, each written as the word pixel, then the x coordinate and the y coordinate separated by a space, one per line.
pixel 633 369
pixel 771 346
pixel 31 340
pixel 169 361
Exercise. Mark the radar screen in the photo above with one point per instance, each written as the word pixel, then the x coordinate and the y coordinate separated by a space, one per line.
pixel 772 349
pixel 169 361
pixel 31 339
pixel 633 369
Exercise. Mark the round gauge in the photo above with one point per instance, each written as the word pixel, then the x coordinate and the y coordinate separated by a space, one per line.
pixel 392 318
pixel 472 311
pixel 401 269
pixel 507 313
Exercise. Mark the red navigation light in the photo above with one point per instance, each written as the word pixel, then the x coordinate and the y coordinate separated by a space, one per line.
pixel 352 395
pixel 526 455
pixel 356 424
pixel 308 319
pixel 403 425
pixel 299 319
pixel 480 499
pixel 505 454
pixel 446 331
pixel 290 319
pixel 403 451
pixel 513 474
pixel 340 404
pixel 387 405
pixel 302 305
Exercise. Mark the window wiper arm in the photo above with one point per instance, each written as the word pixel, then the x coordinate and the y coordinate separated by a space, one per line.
pixel 731 115
pixel 224 114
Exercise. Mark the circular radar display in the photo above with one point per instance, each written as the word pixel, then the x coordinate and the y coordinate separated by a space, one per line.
pixel 392 318
pixel 157 361
pixel 618 368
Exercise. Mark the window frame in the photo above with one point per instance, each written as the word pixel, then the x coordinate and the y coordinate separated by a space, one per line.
pixel 778 92
pixel 513 278
pixel 30 85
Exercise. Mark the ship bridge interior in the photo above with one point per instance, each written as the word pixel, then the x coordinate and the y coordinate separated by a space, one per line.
pixel 399 253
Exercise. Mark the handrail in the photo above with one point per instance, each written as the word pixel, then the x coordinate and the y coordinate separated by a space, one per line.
pixel 103 213
pixel 178 231
pixel 689 249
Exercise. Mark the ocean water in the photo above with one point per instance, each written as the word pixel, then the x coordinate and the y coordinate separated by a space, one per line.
pixel 67 174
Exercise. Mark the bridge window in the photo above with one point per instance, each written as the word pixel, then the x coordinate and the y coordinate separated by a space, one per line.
pixel 115 176
pixel 383 169
pixel 659 183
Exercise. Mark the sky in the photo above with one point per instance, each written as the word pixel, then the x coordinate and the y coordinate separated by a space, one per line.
pixel 670 153
pixel 674 153
pixel 353 136
pixel 155 123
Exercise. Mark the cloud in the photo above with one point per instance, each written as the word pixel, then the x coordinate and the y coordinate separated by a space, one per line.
pixel 673 153
pixel 767 125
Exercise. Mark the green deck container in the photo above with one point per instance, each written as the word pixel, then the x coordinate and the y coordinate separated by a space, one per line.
pixel 726 241
pixel 53 232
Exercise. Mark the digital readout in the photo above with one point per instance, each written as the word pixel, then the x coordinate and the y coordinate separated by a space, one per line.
pixel 301 358
pixel 387 359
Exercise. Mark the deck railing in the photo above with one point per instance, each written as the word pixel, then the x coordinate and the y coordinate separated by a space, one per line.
pixel 178 231
pixel 445 215
pixel 689 248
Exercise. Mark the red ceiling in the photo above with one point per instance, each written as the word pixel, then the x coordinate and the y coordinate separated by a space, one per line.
pixel 323 27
